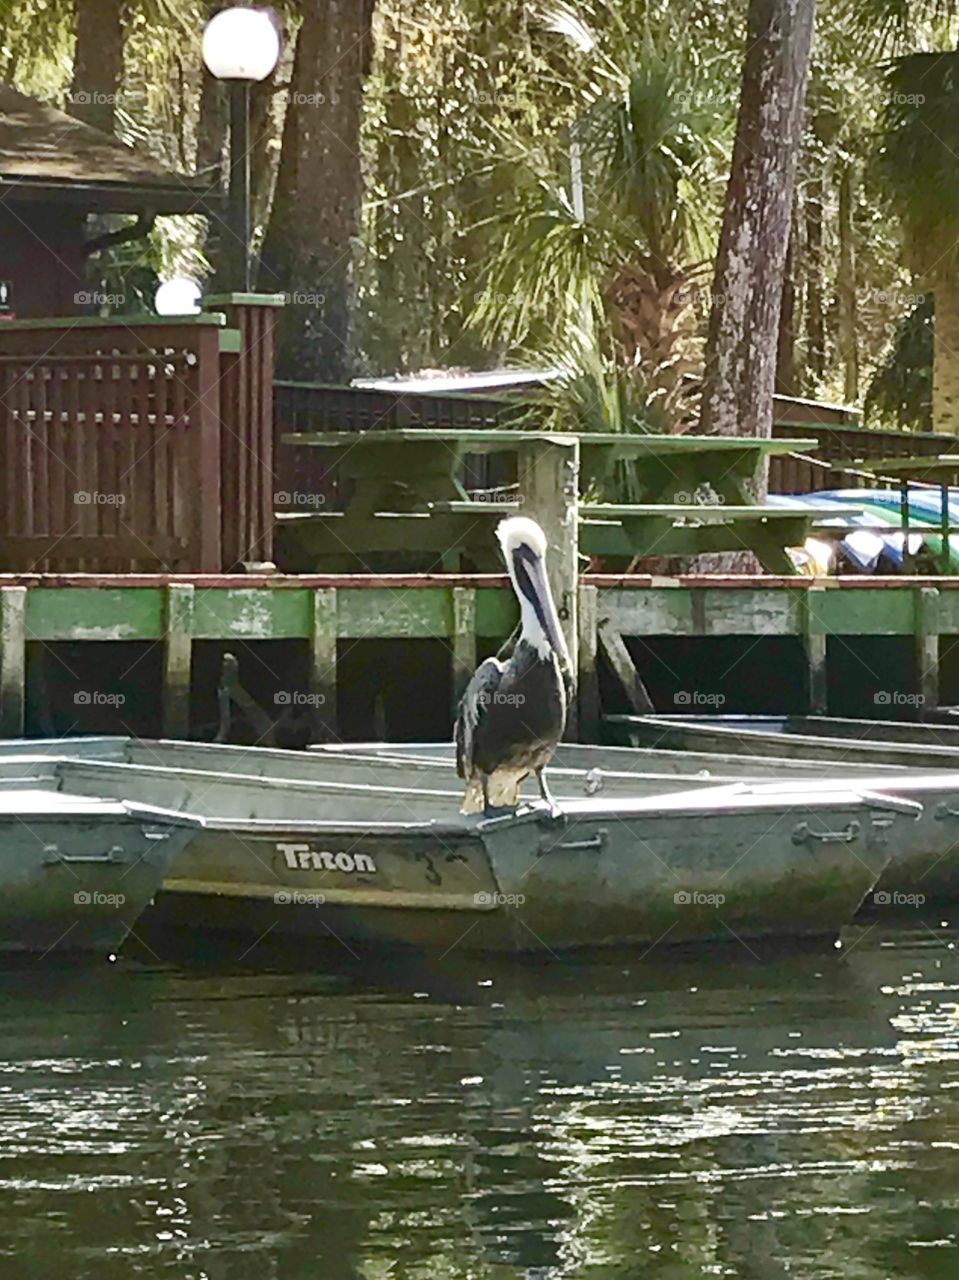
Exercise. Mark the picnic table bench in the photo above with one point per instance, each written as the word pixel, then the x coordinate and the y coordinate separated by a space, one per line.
pixel 654 529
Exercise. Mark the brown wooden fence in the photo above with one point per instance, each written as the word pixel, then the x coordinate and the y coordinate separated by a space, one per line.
pixel 136 445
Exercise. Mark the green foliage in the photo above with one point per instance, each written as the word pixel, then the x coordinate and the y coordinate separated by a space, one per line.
pixel 593 390
pixel 547 273
pixel 917 157
pixel 653 135
pixel 900 393
pixel 473 249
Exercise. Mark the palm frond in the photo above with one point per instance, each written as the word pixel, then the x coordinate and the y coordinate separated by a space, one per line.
pixel 593 390
pixel 548 273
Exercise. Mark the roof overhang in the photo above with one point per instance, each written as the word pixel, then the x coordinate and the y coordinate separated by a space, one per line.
pixel 108 197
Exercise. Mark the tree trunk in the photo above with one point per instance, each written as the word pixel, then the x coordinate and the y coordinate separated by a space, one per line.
pixel 846 289
pixel 744 321
pixel 97 62
pixel 314 224
pixel 815 311
pixel 786 350
pixel 945 360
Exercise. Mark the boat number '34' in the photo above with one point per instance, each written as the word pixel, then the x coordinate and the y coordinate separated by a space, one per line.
pixel 301 857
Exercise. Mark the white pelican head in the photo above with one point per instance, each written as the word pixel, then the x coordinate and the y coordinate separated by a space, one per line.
pixel 524 546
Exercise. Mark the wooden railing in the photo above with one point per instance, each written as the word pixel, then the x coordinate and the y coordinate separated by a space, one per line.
pixel 841 449
pixel 137 444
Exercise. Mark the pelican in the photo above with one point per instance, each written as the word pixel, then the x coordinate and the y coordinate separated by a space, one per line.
pixel 513 713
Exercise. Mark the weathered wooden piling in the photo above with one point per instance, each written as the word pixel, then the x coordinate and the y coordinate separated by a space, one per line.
pixel 13 660
pixel 323 656
pixel 177 659
pixel 926 602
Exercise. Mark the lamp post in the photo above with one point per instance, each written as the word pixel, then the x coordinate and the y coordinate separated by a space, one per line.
pixel 240 46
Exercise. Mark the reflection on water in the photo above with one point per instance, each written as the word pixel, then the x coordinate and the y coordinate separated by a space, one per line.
pixel 673 1116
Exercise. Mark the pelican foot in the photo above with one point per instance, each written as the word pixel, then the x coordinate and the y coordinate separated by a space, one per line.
pixel 499 811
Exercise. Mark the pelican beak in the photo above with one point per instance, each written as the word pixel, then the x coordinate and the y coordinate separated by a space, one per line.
pixel 531 579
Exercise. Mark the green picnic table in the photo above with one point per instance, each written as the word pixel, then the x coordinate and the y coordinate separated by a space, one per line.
pixel 924 469
pixel 404 491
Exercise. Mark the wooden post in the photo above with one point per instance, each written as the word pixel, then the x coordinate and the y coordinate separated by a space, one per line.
pixel 177 660
pixel 588 705
pixel 617 655
pixel 247 477
pixel 323 656
pixel 814 640
pixel 13 660
pixel 464 640
pixel 548 474
pixel 927 647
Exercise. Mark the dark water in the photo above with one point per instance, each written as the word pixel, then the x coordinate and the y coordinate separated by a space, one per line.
pixel 675 1116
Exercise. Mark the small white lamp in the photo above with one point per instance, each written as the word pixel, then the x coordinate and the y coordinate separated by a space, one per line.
pixel 177 297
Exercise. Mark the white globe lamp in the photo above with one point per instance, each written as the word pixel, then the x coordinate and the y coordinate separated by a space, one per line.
pixel 177 297
pixel 240 46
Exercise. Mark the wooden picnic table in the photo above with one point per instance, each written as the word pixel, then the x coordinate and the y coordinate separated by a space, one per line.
pixel 923 469
pixel 673 467
pixel 405 491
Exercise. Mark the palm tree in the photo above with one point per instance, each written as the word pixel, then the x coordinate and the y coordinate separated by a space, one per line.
pixel 620 257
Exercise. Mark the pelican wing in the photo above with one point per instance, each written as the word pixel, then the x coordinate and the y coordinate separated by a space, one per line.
pixel 476 699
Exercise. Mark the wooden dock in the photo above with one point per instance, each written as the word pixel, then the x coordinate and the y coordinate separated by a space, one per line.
pixel 620 619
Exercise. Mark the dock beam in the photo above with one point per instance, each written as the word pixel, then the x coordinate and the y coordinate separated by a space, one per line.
pixel 814 642
pixel 927 647
pixel 587 689
pixel 548 472
pixel 323 637
pixel 464 641
pixel 13 660
pixel 177 660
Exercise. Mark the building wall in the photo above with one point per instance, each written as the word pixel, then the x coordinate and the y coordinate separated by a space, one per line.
pixel 41 256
